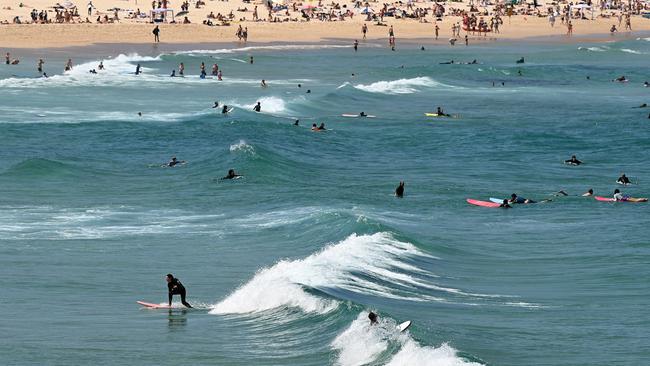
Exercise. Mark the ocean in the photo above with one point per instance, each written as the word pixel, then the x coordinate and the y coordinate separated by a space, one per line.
pixel 284 265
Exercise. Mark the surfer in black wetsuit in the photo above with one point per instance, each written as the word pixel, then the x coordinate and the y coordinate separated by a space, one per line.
pixel 441 113
pixel 137 70
pixel 216 105
pixel 363 114
pixel 322 127
pixel 399 191
pixel 225 109
pixel 373 318
pixel 174 162
pixel 231 175
pixel 175 287
pixel 623 179
pixel 258 107
pixel 573 161
pixel 515 199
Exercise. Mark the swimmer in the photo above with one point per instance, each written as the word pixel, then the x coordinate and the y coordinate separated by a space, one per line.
pixel 399 191
pixel 321 127
pixel 172 163
pixel 101 65
pixel 231 175
pixel 216 104
pixel 521 61
pixel 173 74
pixel 296 123
pixel 137 70
pixel 621 79
pixel 589 193
pixel 623 180
pixel 225 109
pixel 258 107
pixel 314 127
pixel 263 84
pixel 644 105
pixel 573 161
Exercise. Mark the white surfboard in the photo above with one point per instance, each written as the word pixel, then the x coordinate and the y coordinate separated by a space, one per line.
pixel 404 326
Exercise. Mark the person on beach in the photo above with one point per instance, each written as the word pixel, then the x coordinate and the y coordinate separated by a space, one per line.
pixel 589 193
pixel 156 34
pixel 231 175
pixel 623 180
pixel 258 107
pixel 356 45
pixel 364 30
pixel 175 287
pixel 90 8
pixel 573 161
pixel 399 191
pixel 437 29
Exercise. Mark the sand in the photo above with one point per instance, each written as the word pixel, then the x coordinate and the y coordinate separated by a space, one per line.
pixel 139 31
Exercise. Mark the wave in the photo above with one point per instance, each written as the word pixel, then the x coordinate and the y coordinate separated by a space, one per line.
pixel 261 48
pixel 594 49
pixel 269 105
pixel 401 86
pixel 242 146
pixel 627 50
pixel 344 265
pixel 362 344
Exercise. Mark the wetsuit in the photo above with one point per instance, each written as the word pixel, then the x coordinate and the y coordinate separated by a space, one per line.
pixel 623 180
pixel 176 288
pixel 257 108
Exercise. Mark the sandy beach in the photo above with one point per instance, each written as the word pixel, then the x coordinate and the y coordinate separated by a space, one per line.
pixel 131 23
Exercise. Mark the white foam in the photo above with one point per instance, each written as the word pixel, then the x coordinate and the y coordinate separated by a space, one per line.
pixel 627 50
pixel 260 48
pixel 362 344
pixel 401 86
pixel 242 146
pixel 269 105
pixel 593 49
pixel 283 285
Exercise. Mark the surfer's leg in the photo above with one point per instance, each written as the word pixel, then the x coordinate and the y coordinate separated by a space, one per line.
pixel 183 300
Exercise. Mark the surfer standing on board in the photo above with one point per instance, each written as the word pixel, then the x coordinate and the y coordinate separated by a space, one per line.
pixel 176 288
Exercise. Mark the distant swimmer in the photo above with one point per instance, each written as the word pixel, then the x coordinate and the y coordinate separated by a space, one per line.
pixel 589 193
pixel 39 67
pixel 505 204
pixel 308 91
pixel 314 127
pixel 399 191
pixel 646 84
pixel 422 48
pixel 216 104
pixel 173 74
pixel 356 45
pixel 8 59
pixel 93 71
pixel 175 287
pixel 68 65
pixel 621 79
pixel 231 175
pixel 181 69
pixel 373 318
pixel 296 123
pixel 251 60
pixel 172 163
pixel 258 107
pixel 521 61
pixel 101 65
pixel 45 75
pixel 623 180
pixel 215 69
pixel 139 114
pixel 363 114
pixel 137 69
pixel 516 199
pixel 573 161
pixel 263 84
pixel 644 105
pixel 440 112
pixel 448 62
pixel 519 73
pixel 224 110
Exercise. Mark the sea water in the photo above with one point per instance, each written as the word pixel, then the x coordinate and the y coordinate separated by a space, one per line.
pixel 284 265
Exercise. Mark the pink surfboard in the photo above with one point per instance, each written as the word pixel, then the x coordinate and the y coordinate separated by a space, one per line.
pixel 604 199
pixel 629 199
pixel 153 306
pixel 482 203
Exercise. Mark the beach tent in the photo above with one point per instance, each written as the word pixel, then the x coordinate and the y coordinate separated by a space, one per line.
pixel 160 14
pixel 582 8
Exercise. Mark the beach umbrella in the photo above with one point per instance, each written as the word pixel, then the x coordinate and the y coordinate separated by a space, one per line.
pixel 68 4
pixel 308 6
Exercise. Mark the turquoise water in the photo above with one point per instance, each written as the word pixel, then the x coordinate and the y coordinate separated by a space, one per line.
pixel 284 264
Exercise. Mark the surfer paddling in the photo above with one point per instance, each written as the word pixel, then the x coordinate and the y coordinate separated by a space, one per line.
pixel 573 161
pixel 175 287
pixel 399 191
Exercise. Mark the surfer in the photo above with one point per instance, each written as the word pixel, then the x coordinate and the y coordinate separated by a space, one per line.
pixel 296 123
pixel 322 127
pixel 263 84
pixel 573 161
pixel 225 109
pixel 644 105
pixel 441 113
pixel 399 191
pixel 216 104
pixel 515 199
pixel 505 204
pixel 172 163
pixel 589 193
pixel 520 61
pixel 373 318
pixel 231 175
pixel 137 70
pixel 314 127
pixel 646 84
pixel 176 288
pixel 258 107
pixel 173 74
pixel 621 79
pixel 363 114
pixel 619 196
pixel 623 180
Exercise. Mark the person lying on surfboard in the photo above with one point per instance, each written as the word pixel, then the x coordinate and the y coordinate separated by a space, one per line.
pixel 363 114
pixel 589 193
pixel 623 179
pixel 231 175
pixel 172 163
pixel 175 287
pixel 515 199
pixel 573 161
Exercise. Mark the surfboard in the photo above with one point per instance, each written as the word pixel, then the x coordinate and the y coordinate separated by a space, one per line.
pixel 228 110
pixel 482 203
pixel 404 326
pixel 629 199
pixel 496 200
pixel 357 116
pixel 153 306
pixel 442 115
